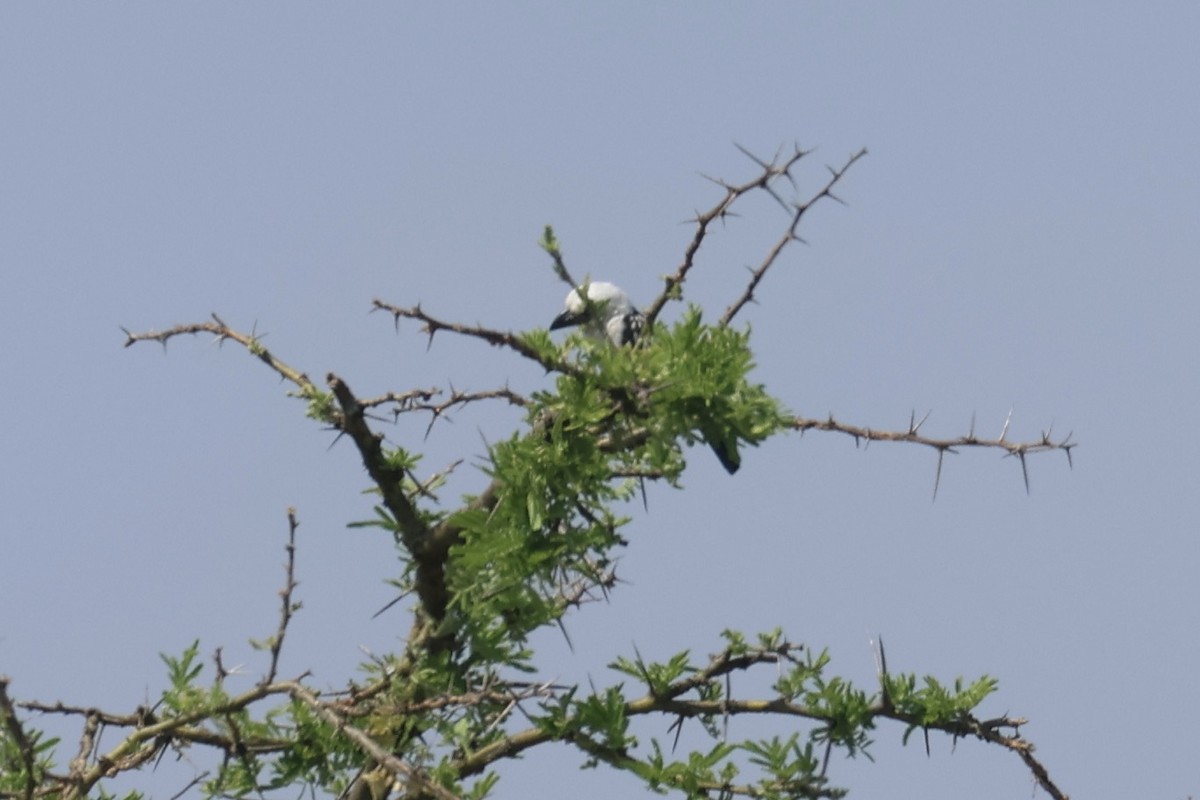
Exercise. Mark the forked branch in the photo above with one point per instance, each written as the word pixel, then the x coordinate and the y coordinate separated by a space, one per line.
pixel 779 168
pixel 797 209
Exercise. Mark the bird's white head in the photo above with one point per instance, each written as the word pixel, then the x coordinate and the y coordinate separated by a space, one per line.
pixel 607 313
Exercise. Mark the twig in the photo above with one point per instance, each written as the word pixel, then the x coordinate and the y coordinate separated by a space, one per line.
pixel 218 328
pixel 550 244
pixel 431 325
pixel 193 782
pixel 287 606
pixel 404 401
pixel 438 410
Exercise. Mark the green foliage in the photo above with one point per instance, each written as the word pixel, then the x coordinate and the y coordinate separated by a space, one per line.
pixel 315 756
pixel 320 406
pixel 695 776
pixel 789 769
pixel 933 704
pixel 838 716
pixel 699 387
pixel 14 774
pixel 183 695
pixel 549 242
pixel 688 383
pixel 658 677
pixel 101 794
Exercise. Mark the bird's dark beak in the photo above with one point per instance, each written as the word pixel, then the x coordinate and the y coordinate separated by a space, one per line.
pixel 565 320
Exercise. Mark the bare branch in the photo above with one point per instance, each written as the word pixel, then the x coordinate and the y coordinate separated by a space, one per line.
pixel 733 192
pixel 431 325
pixel 943 445
pixel 778 168
pixel 422 400
pixel 438 410
pixel 287 605
pixel 218 328
pixel 102 717
pixel 425 488
pixel 404 401
pixel 790 235
pixel 190 784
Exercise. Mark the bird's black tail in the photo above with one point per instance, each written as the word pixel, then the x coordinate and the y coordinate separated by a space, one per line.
pixel 729 457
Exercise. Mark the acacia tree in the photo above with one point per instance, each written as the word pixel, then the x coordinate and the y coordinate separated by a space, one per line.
pixel 439 717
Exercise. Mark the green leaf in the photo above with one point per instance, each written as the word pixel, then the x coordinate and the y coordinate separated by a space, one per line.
pixel 184 670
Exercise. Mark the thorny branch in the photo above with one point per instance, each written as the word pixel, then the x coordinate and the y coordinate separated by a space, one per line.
pixel 790 235
pixel 422 400
pixel 771 172
pixel 456 399
pixel 431 325
pixel 943 446
pixel 252 342
pixel 288 606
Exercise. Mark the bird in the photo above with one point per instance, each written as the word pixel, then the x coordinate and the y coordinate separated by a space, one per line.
pixel 608 313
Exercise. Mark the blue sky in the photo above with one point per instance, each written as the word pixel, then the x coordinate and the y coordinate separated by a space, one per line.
pixel 1023 235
